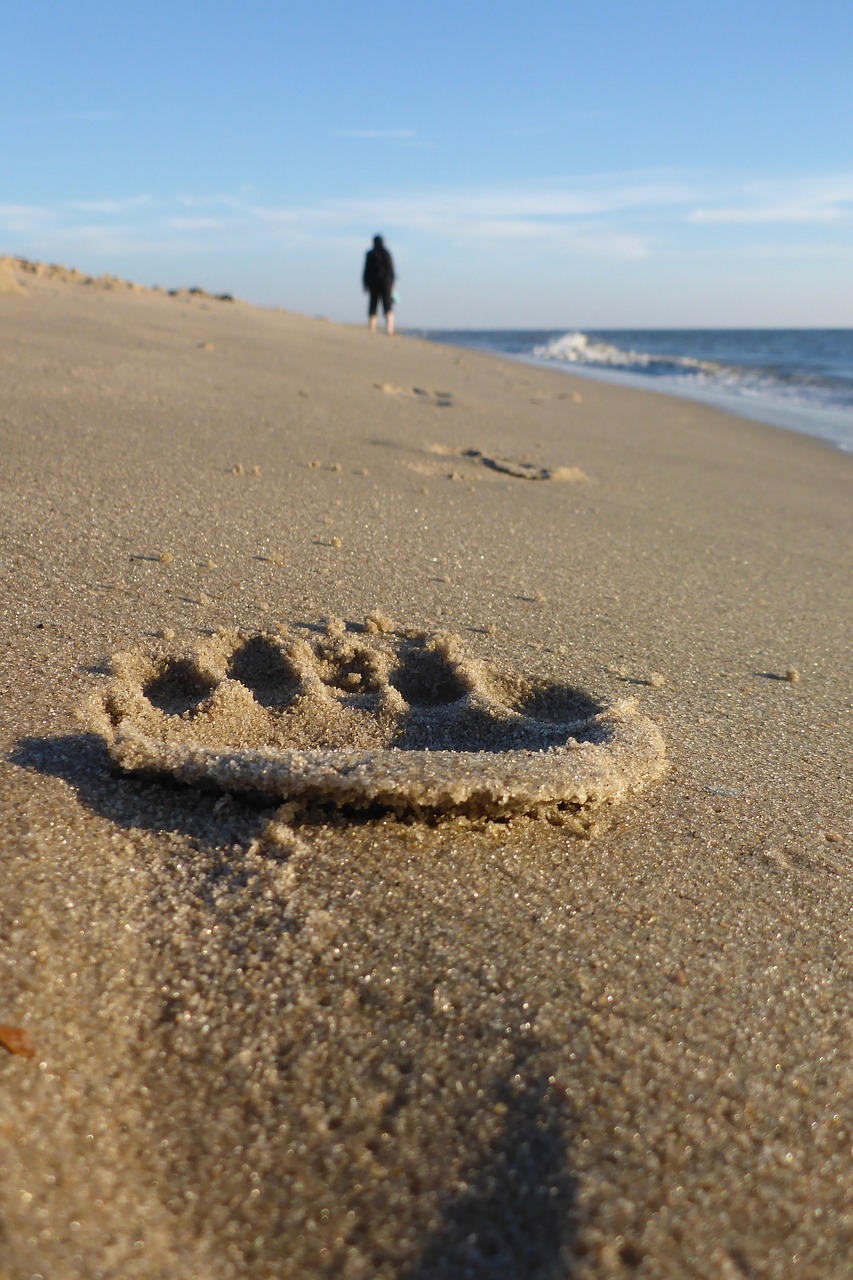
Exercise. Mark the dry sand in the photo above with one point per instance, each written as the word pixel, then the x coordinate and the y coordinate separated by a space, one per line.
pixel 247 1039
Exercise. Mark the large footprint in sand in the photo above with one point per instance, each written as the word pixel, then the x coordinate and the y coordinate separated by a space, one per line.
pixel 372 717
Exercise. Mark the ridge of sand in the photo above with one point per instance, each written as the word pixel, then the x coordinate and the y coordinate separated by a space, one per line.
pixel 9 282
pixel 15 272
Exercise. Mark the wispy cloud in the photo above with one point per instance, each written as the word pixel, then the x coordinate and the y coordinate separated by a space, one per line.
pixel 373 133
pixel 229 200
pixel 554 125
pixel 572 218
pixel 110 206
pixel 811 200
pixel 470 221
pixel 23 210
pixel 543 205
pixel 24 218
pixel 196 224
pixel 70 117
pixel 770 213
pixel 616 217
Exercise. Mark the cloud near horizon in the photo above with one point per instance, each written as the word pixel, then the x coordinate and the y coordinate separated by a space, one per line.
pixel 572 217
pixel 615 218
pixel 110 206
pixel 815 200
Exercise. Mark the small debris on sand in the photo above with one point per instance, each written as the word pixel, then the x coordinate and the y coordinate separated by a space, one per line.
pixel 16 1041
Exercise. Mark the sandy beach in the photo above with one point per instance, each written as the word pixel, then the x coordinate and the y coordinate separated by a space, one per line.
pixel 440 1012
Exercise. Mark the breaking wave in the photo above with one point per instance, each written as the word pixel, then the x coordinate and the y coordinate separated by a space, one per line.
pixel 580 348
pixel 796 378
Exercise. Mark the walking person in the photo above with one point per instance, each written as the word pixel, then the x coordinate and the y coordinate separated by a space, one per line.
pixel 378 281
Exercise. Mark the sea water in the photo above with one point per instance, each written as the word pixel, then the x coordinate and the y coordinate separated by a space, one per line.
pixel 801 379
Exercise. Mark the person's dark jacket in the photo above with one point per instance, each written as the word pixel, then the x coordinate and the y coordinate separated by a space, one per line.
pixel 378 270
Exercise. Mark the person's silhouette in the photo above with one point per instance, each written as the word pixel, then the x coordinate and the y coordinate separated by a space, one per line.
pixel 378 281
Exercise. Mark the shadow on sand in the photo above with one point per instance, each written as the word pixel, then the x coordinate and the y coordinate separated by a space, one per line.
pixel 515 1217
pixel 155 804
pixel 515 1220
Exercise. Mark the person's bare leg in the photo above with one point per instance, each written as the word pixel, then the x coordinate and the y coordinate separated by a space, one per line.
pixel 389 323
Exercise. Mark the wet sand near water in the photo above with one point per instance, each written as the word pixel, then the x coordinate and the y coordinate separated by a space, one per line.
pixel 600 1034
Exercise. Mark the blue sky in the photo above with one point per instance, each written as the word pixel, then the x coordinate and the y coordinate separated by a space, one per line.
pixel 610 164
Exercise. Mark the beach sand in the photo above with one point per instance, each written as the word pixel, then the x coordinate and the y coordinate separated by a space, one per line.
pixel 481 1022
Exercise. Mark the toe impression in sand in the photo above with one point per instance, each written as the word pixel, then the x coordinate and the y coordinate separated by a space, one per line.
pixel 399 720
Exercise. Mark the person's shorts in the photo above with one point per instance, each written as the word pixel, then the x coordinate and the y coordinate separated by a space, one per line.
pixel 380 295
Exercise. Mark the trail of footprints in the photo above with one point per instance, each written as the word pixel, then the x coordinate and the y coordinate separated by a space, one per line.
pixel 370 717
pixel 520 469
pixel 439 399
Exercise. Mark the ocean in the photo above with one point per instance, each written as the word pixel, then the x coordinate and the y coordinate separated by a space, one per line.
pixel 801 379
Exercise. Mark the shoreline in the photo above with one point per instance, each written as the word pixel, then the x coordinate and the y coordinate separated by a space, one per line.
pixel 734 406
pixel 375 1043
pixel 833 426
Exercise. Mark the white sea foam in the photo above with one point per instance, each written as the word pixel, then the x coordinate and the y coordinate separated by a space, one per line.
pixel 578 348
pixel 801 399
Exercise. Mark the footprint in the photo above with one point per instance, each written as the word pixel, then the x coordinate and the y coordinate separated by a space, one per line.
pixel 441 399
pixel 401 720
pixel 509 466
